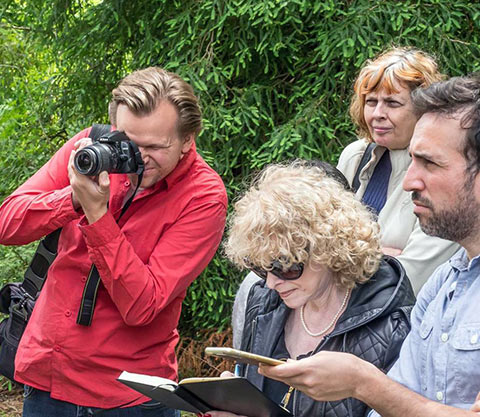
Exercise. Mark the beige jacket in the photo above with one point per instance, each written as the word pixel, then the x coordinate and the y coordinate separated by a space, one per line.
pixel 399 226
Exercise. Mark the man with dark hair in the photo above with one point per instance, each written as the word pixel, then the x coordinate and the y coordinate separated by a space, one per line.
pixel 146 258
pixel 437 373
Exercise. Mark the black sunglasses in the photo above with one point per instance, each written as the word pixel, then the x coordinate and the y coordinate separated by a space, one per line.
pixel 294 272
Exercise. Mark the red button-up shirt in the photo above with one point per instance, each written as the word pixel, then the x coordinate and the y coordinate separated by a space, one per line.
pixel 146 262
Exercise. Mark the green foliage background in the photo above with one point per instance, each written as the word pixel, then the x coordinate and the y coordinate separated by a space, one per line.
pixel 274 77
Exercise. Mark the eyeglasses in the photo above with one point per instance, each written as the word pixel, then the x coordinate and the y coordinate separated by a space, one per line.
pixel 294 272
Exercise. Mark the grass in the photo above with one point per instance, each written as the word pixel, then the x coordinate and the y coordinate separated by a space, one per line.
pixel 11 399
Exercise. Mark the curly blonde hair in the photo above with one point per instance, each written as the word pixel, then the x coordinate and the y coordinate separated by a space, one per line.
pixel 296 213
pixel 407 67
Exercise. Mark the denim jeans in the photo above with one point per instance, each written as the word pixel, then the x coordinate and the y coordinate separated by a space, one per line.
pixel 38 403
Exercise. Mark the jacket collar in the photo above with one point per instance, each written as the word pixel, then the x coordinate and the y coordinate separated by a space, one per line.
pixel 388 289
pixel 399 158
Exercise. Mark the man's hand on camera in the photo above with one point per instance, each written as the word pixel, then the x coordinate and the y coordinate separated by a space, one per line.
pixel 89 193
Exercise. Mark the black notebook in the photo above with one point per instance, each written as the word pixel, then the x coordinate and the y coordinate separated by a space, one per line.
pixel 199 395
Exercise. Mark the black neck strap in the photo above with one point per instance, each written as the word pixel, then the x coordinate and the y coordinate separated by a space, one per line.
pixel 36 273
pixel 367 155
pixel 89 298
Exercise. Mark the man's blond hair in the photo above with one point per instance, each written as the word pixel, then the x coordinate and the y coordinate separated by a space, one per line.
pixel 142 91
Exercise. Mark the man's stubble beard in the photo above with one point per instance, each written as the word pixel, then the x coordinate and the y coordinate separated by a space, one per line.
pixel 456 224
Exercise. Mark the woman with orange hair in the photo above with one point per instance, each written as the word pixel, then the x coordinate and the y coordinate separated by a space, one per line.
pixel 383 112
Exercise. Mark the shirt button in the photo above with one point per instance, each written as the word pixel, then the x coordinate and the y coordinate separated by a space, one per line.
pixel 68 313
pixel 84 279
pixel 474 339
pixel 127 184
pixel 57 349
pixel 444 337
pixel 439 395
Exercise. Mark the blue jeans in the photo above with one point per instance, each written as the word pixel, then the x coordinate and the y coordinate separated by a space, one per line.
pixel 38 403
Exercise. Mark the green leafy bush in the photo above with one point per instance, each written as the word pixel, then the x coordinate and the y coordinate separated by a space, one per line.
pixel 274 77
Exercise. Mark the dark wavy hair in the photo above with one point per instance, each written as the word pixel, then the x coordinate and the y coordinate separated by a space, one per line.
pixel 456 97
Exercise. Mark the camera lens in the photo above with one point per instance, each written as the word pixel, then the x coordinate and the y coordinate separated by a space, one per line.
pixel 86 161
pixel 96 158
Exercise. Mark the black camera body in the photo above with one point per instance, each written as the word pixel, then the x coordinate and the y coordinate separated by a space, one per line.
pixel 113 152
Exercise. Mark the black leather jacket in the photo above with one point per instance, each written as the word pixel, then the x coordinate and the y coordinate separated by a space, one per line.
pixel 373 327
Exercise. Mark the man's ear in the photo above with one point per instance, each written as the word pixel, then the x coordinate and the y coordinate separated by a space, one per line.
pixel 187 143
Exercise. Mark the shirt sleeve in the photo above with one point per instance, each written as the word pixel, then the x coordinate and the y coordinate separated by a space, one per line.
pixel 42 204
pixel 406 370
pixel 140 291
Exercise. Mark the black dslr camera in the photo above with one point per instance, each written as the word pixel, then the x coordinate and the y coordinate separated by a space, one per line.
pixel 113 152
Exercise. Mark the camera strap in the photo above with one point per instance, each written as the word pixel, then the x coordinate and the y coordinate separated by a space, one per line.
pixel 89 298
pixel 36 273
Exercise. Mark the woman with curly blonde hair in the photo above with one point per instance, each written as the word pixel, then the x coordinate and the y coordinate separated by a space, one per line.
pixel 303 222
pixel 382 110
pixel 326 285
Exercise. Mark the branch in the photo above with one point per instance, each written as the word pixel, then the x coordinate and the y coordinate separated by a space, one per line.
pixel 459 41
pixel 8 26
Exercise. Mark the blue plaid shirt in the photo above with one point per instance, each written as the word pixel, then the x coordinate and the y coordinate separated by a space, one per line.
pixel 440 358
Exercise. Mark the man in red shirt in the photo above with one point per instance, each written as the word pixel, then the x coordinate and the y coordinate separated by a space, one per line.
pixel 145 262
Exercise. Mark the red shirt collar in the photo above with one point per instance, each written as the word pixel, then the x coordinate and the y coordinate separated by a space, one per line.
pixel 182 167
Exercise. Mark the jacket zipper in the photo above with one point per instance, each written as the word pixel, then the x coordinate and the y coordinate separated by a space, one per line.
pixel 294 406
pixel 252 338
pixel 318 349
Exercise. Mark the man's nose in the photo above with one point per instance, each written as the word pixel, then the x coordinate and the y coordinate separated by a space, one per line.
pixel 413 180
pixel 144 154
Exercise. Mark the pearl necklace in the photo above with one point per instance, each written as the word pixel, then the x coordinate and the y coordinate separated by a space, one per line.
pixel 335 317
